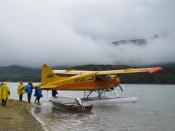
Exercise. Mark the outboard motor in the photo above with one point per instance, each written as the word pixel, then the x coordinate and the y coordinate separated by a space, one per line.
pixel 79 102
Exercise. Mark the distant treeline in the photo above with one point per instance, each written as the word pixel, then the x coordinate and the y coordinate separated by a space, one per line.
pixel 21 78
pixel 166 76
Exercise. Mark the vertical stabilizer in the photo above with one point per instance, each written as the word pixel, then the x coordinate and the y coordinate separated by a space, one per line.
pixel 46 70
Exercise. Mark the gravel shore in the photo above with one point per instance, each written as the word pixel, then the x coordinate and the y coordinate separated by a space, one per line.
pixel 16 116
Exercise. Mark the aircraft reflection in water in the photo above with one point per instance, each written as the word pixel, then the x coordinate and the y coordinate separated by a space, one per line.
pixel 86 80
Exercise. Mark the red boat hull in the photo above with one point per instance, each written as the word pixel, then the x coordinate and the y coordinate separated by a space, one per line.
pixel 71 107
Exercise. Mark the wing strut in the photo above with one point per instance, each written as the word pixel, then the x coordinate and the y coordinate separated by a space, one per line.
pixel 120 87
pixel 86 97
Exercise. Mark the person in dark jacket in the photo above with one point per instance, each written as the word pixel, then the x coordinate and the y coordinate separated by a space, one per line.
pixel 54 93
pixel 38 94
pixel 29 89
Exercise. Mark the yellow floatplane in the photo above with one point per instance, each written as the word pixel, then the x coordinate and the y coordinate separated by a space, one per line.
pixel 78 80
pixel 85 80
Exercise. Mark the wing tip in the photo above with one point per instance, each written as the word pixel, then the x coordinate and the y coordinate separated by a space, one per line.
pixel 155 69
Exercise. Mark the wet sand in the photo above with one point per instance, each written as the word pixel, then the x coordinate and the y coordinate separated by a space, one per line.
pixel 16 116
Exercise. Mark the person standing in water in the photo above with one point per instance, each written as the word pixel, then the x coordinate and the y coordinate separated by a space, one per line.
pixel 54 93
pixel 20 90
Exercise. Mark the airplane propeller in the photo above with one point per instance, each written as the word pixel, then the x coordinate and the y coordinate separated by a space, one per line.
pixel 120 87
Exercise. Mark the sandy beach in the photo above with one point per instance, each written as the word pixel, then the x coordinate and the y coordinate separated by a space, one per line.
pixel 16 116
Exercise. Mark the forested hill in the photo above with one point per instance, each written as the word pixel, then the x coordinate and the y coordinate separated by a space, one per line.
pixel 17 73
pixel 166 76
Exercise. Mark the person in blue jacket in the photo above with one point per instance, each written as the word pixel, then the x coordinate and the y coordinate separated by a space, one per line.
pixel 29 89
pixel 38 94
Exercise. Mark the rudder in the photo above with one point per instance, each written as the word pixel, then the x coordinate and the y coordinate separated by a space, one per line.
pixel 46 70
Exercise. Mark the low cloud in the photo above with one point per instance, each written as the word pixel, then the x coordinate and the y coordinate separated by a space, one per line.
pixel 81 32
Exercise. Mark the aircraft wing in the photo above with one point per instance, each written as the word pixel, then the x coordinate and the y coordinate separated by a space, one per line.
pixel 76 72
pixel 60 82
pixel 111 72
pixel 130 70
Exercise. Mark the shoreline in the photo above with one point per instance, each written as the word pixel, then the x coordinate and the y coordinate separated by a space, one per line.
pixel 42 124
pixel 17 116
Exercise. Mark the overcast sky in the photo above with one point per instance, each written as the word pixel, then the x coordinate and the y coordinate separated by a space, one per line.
pixel 74 32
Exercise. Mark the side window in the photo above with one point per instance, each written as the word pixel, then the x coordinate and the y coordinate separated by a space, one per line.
pixel 91 78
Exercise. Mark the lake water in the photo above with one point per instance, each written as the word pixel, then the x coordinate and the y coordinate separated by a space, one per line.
pixel 154 111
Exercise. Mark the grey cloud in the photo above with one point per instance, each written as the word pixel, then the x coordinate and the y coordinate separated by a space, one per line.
pixel 81 32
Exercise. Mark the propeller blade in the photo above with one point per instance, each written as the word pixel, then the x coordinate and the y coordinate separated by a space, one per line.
pixel 120 87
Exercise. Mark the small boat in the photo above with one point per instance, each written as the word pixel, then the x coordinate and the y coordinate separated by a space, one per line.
pixel 71 105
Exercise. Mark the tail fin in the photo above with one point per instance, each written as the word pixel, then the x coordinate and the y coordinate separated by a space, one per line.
pixel 44 73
